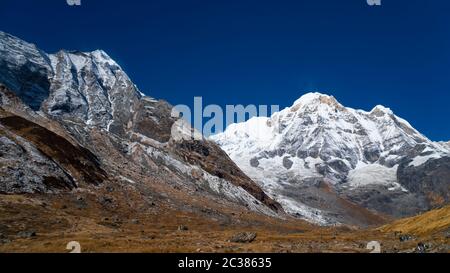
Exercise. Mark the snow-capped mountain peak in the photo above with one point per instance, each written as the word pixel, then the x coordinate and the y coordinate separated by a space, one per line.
pixel 316 102
pixel 85 87
pixel 318 138
pixel 380 110
pixel 81 84
pixel 318 126
pixel 313 97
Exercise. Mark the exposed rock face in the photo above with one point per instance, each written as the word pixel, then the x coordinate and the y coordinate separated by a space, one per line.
pixel 92 88
pixel 216 162
pixel 79 162
pixel 35 158
pixel 357 153
pixel 431 180
pixel 26 170
pixel 25 69
pixel 79 121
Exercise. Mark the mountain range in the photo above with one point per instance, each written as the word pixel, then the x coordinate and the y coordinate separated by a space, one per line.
pixel 73 126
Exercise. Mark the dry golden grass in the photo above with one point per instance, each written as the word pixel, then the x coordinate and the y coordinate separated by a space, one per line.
pixel 156 230
pixel 425 224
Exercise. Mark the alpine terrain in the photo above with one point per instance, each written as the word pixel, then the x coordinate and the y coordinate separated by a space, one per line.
pixel 76 118
pixel 85 156
pixel 316 155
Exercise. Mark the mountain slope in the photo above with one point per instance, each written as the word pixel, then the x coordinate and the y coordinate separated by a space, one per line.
pixel 80 116
pixel 369 158
pixel 428 223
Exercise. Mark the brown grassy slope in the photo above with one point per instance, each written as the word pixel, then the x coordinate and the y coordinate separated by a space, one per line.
pixel 425 224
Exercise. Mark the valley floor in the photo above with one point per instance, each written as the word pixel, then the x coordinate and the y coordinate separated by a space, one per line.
pixel 43 224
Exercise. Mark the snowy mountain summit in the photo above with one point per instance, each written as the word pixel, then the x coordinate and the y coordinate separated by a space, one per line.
pixel 87 87
pixel 362 157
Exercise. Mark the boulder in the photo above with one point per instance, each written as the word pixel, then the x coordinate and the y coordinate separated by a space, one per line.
pixel 243 237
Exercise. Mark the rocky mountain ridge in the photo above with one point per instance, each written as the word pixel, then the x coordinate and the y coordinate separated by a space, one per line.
pixel 79 121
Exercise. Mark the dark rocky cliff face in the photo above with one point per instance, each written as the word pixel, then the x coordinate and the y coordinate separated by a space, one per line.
pixel 430 180
pixel 24 69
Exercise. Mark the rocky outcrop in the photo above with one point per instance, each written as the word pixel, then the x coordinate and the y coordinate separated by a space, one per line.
pixel 26 170
pixel 216 162
pixel 243 237
pixel 79 163
pixel 35 159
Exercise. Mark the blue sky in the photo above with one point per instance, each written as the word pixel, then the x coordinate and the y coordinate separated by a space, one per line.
pixel 261 51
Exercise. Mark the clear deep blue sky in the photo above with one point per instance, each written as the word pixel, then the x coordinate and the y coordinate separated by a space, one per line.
pixel 261 51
